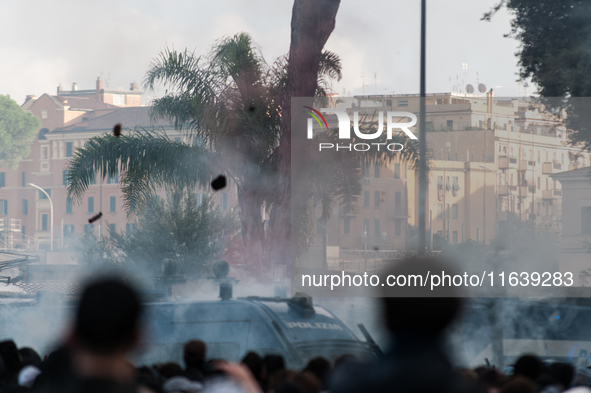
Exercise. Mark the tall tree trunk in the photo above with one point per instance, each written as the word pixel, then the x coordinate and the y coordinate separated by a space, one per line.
pixel 250 203
pixel 312 22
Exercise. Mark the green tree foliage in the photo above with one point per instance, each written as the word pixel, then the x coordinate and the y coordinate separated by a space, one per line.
pixel 188 234
pixel 555 54
pixel 229 102
pixel 17 131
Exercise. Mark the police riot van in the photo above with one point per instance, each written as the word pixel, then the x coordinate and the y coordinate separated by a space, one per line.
pixel 291 327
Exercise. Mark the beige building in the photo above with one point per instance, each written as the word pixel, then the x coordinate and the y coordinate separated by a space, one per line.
pixel 575 239
pixel 68 121
pixel 508 150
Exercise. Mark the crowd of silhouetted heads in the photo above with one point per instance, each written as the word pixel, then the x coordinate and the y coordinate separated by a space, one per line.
pixel 107 328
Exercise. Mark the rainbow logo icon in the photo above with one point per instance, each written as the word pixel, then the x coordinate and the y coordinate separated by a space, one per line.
pixel 315 115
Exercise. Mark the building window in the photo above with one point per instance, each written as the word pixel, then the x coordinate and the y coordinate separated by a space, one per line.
pixel 365 227
pixel 440 210
pixel 23 179
pixel 398 203
pixel 69 149
pixel 365 198
pixel 447 211
pixel 42 194
pixel 68 230
pixel 69 205
pixel 91 204
pixel 377 198
pixel 366 169
pixel 119 99
pixel 112 204
pixel 376 229
pixel 25 207
pixel 64 177
pixel 3 207
pixel 450 125
pixel 403 103
pixel 440 182
pixel 113 227
pixel 2 179
pixel 23 232
pixel 93 179
pixel 454 236
pixel 397 170
pixel 454 211
pixel 44 114
pixel 130 228
pixel 113 179
pixel 397 227
pixel 177 139
pixel 376 170
pixel 45 152
pixel 586 220
pixel 347 226
pixel 198 199
pixel 88 228
pixel 45 222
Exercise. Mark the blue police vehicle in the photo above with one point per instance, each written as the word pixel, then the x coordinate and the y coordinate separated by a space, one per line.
pixel 292 327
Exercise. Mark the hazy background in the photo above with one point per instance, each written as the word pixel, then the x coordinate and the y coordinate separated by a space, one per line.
pixel 46 43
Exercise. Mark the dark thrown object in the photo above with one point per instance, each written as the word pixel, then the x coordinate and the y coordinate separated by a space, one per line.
pixel 94 218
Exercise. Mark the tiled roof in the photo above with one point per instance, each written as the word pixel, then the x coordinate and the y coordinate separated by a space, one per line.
pixel 131 117
pixel 83 103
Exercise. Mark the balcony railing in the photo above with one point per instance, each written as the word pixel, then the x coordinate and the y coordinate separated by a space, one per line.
pixel 547 168
pixel 503 189
pixel 551 194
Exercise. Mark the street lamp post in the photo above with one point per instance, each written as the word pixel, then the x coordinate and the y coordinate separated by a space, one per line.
pixel 50 212
pixel 422 138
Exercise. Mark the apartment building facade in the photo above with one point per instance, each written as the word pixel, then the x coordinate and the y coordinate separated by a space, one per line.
pixel 68 121
pixel 505 149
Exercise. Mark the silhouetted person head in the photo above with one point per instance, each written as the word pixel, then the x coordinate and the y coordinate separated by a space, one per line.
pixel 528 366
pixel 562 373
pixel 194 354
pixel 289 381
pixel 30 357
pixel 273 364
pixel 426 316
pixel 108 316
pixel 11 359
pixel 170 370
pixel 320 367
pixel 254 364
pixel 519 385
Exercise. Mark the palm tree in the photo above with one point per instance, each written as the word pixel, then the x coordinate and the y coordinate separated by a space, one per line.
pixel 230 102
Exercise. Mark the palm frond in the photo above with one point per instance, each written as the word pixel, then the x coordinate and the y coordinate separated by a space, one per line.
pixel 146 160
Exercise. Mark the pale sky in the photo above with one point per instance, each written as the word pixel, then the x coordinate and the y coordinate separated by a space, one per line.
pixel 64 41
